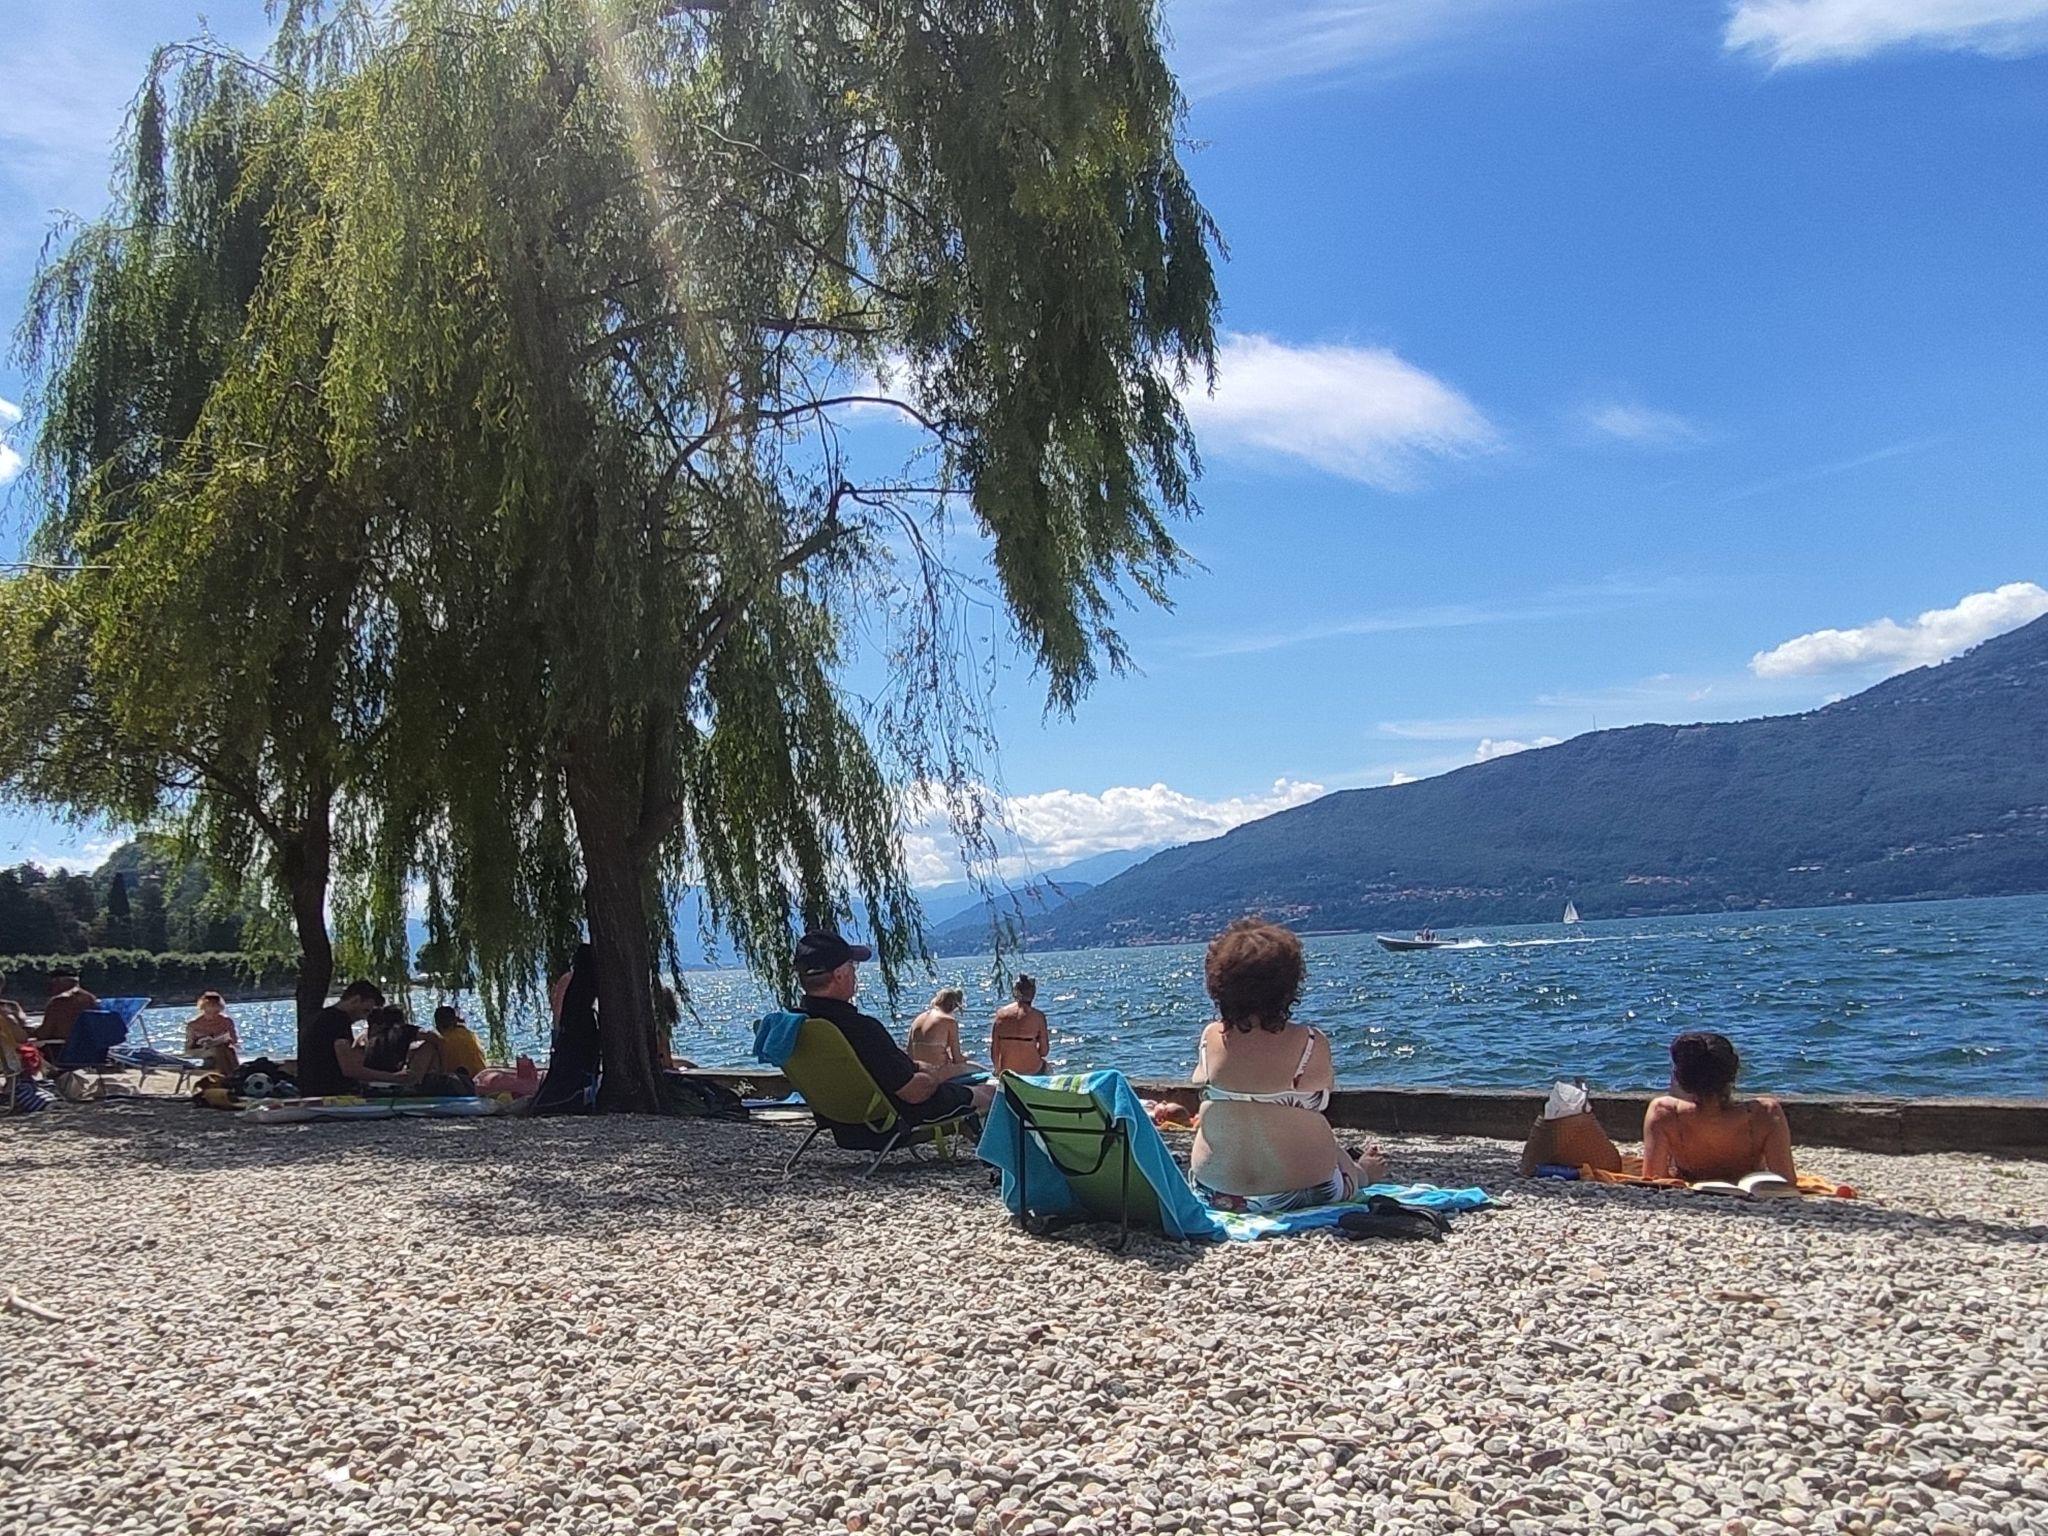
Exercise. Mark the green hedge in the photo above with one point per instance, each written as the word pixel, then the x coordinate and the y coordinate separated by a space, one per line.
pixel 167 978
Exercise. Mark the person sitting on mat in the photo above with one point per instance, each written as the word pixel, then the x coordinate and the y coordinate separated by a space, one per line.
pixel 1019 1041
pixel 1262 1144
pixel 934 1040
pixel 825 966
pixel 1700 1131
pixel 330 1061
pixel 211 1036
pixel 456 1046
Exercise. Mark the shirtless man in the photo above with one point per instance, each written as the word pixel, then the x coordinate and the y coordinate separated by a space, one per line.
pixel 934 1042
pixel 1019 1041
pixel 1699 1131
pixel 66 1002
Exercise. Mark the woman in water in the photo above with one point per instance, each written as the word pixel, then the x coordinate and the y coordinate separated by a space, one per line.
pixel 1700 1131
pixel 934 1042
pixel 1262 1144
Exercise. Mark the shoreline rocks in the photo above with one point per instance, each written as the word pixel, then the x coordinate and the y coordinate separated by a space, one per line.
pixel 625 1325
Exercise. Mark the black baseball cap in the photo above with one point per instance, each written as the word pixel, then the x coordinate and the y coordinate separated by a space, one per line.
pixel 819 951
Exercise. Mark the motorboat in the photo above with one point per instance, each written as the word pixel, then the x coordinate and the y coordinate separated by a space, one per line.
pixel 1423 940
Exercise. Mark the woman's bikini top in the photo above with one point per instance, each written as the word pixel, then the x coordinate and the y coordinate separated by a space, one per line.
pixel 1315 1099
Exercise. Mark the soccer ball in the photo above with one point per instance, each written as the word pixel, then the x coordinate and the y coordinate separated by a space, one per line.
pixel 256 1086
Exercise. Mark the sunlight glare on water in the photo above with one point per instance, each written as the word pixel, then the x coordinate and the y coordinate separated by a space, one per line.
pixel 1923 999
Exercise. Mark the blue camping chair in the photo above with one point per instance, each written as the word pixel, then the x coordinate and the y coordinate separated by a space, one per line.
pixel 92 1049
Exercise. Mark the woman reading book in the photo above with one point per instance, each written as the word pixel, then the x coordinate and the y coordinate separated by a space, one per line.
pixel 1700 1131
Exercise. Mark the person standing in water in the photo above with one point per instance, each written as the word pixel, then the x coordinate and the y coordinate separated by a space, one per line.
pixel 1019 1041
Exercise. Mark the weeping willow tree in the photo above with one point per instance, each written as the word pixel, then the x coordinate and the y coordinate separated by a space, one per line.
pixel 585 425
pixel 689 345
pixel 197 638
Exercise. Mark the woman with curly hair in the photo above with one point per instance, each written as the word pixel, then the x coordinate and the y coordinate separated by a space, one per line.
pixel 1263 1144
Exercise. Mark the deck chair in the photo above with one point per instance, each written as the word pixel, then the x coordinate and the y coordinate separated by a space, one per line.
pixel 81 1061
pixel 1114 1165
pixel 850 1106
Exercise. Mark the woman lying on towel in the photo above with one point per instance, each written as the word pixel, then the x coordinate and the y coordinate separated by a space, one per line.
pixel 1262 1144
pixel 1700 1131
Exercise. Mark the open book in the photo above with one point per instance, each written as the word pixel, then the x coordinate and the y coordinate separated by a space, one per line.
pixel 1751 1186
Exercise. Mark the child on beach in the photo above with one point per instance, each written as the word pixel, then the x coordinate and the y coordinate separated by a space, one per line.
pixel 1019 1040
pixel 1698 1130
pixel 934 1041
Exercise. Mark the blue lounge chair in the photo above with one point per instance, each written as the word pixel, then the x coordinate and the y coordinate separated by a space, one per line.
pixel 82 1060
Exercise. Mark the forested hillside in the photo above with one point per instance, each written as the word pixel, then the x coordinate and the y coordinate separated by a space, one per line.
pixel 1934 783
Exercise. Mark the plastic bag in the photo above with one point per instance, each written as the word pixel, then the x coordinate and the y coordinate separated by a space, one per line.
pixel 1566 1100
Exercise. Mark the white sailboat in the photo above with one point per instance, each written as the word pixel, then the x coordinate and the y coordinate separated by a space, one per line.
pixel 1571 913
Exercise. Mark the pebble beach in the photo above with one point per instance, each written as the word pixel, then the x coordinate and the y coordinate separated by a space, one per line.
pixel 634 1326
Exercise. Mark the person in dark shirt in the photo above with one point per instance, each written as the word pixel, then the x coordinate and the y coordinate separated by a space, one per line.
pixel 825 965
pixel 330 1061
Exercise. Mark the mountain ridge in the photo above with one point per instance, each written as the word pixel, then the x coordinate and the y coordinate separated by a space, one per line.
pixel 1932 783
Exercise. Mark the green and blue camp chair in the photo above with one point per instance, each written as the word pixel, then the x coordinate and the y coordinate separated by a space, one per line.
pixel 850 1106
pixel 1081 1148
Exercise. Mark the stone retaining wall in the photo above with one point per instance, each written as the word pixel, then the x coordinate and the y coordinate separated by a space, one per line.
pixel 2009 1127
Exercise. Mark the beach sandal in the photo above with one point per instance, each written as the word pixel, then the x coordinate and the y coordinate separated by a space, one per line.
pixel 1384 1216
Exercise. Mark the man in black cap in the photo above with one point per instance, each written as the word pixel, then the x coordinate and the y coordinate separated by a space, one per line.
pixel 825 965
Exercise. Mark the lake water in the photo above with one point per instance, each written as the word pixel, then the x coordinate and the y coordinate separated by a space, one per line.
pixel 1922 999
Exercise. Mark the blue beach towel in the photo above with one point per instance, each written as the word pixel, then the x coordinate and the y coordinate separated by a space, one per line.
pixel 775 1037
pixel 1183 1213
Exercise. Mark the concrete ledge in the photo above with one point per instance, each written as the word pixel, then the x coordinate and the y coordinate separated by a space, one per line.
pixel 2007 1127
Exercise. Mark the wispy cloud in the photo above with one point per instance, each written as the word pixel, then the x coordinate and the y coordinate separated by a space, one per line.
pixel 1364 413
pixel 1791 32
pixel 1559 603
pixel 1640 426
pixel 1825 471
pixel 1221 46
pixel 1934 636
pixel 1398 778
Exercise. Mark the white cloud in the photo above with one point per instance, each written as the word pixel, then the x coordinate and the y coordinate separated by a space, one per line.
pixel 1233 45
pixel 1489 748
pixel 1058 826
pixel 80 857
pixel 1934 636
pixel 1640 426
pixel 1361 412
pixel 1399 778
pixel 1788 32
pixel 10 460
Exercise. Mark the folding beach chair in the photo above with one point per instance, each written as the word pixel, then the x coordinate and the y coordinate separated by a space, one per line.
pixel 850 1106
pixel 1073 1121
pixel 82 1060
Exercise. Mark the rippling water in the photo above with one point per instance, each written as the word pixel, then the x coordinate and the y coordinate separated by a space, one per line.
pixel 1922 999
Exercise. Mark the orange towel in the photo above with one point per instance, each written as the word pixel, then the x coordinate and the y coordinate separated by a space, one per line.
pixel 1632 1173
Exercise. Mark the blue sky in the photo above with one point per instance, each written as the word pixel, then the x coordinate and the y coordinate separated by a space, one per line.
pixel 1588 362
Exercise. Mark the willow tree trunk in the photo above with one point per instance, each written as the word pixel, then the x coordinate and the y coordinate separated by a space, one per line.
pixel 307 864
pixel 615 903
